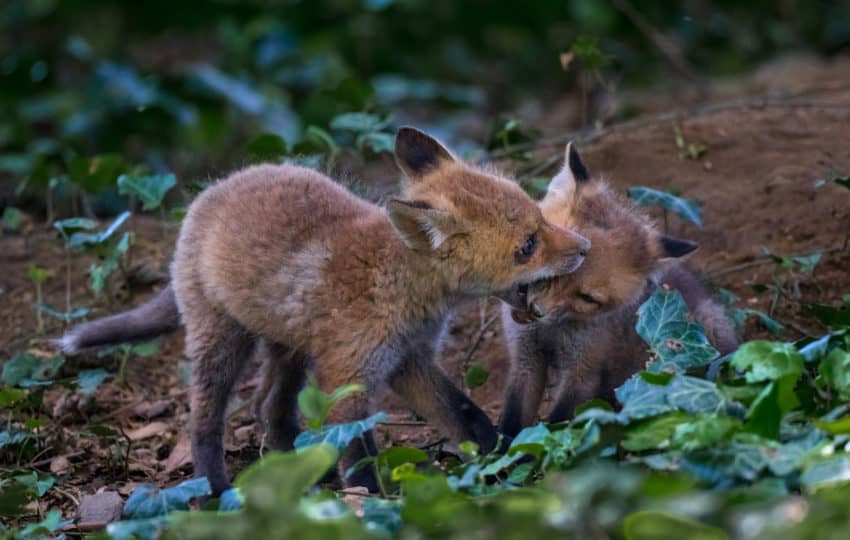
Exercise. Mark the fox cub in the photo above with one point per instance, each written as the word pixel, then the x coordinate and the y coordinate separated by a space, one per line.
pixel 281 260
pixel 582 327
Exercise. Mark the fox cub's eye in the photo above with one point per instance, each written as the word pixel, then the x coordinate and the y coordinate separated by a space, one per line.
pixel 524 253
pixel 589 299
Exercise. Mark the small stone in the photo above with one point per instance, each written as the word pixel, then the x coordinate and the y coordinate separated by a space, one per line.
pixel 98 510
pixel 59 465
pixel 150 410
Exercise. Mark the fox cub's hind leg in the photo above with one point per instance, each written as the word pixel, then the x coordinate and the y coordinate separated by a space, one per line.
pixel 282 377
pixel 356 407
pixel 218 349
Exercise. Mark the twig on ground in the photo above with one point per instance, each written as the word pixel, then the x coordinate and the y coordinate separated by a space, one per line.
pixel 47 461
pixel 403 423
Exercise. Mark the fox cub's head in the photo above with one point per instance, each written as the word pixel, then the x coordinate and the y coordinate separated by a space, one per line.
pixel 627 248
pixel 489 233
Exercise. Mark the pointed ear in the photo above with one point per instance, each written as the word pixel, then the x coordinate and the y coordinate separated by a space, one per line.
pixel 419 225
pixel 417 153
pixel 572 173
pixel 674 248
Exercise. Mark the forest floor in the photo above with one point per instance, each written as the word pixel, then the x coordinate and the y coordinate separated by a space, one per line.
pixel 758 181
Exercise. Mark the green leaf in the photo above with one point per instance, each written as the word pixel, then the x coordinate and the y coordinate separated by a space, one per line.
pixel 828 473
pixel 80 239
pixel 51 523
pixel 37 275
pixel 675 342
pixel 835 372
pixel 149 501
pixel 768 361
pixel 88 380
pixel 315 404
pixel 530 440
pixel 280 479
pixel 10 396
pixel 145 350
pixel 97 173
pixel 26 370
pixel 657 525
pixel 267 147
pixel 687 209
pixel 99 273
pixel 338 435
pixel 10 438
pixel 654 433
pixel 76 313
pixel 12 219
pixel 705 431
pixel 376 142
pixel 382 517
pixel 150 189
pixel 394 456
pixel 829 315
pixel 358 122
pixel 138 529
pixel 475 375
pixel 739 316
pixel 231 500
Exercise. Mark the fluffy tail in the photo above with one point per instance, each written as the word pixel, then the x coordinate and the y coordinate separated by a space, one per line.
pixel 718 327
pixel 153 318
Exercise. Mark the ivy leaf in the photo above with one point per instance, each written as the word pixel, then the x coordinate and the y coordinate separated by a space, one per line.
pixel 51 523
pixel 149 189
pixel 138 529
pixel 705 431
pixel 149 501
pixel 530 440
pixel 693 395
pixel 382 517
pixel 90 379
pixel 641 398
pixel 338 435
pixel 826 473
pixel 100 272
pixel 768 361
pixel 230 500
pixel 315 404
pixel 25 370
pixel 654 433
pixel 12 219
pixel 81 239
pixel 687 209
pixel 394 456
pixel 675 342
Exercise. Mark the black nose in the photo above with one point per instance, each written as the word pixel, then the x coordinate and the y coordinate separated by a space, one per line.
pixel 585 248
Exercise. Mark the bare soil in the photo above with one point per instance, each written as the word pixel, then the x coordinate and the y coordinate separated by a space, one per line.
pixel 757 180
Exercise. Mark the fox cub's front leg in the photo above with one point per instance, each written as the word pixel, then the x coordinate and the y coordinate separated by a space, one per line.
pixel 526 381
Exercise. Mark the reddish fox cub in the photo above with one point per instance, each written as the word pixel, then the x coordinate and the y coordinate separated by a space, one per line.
pixel 280 259
pixel 582 327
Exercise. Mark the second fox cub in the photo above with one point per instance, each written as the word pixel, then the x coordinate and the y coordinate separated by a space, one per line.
pixel 280 258
pixel 582 327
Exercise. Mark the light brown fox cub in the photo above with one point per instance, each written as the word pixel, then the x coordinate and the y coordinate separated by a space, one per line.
pixel 582 327
pixel 280 258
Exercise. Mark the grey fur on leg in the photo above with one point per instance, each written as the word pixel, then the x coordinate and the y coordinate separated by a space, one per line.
pixel 283 374
pixel 218 350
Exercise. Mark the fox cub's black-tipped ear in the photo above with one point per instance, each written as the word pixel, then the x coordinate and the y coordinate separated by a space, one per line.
pixel 421 226
pixel 576 165
pixel 573 172
pixel 418 153
pixel 673 248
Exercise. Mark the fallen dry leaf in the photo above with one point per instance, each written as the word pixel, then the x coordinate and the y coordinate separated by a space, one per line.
pixel 147 431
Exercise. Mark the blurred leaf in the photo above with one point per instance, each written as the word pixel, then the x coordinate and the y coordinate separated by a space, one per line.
pixel 675 342
pixel 830 316
pixel 150 190
pixel 88 380
pixel 586 49
pixel 267 147
pixel 12 219
pixel 76 313
pixel 768 360
pixel 315 404
pixel 37 275
pixel 138 529
pixel 81 239
pixel 97 173
pixel 338 435
pixel 231 500
pixel 9 396
pixel 394 456
pixel 376 142
pixel 705 431
pixel 834 370
pixel 475 376
pixel 26 370
pixel 656 525
pixel 99 273
pixel 826 473
pixel 51 523
pixel 149 501
pixel 281 478
pixel 653 433
pixel 687 209
pixel 358 122
pixel 382 517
